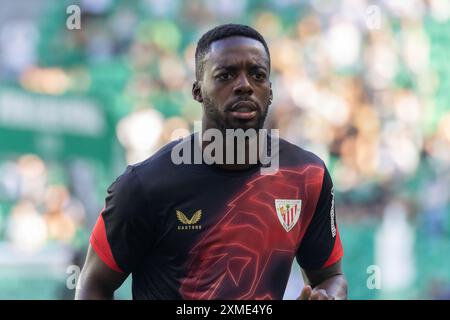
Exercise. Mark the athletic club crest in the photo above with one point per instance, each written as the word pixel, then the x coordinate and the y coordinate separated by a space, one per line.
pixel 288 212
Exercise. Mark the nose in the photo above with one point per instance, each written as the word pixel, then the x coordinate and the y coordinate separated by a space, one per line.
pixel 243 86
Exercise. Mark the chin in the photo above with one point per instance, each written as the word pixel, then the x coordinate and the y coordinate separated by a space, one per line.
pixel 244 125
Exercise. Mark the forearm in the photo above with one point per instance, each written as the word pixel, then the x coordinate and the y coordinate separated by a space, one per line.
pixel 335 286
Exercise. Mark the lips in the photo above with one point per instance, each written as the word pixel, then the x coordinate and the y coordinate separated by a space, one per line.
pixel 245 110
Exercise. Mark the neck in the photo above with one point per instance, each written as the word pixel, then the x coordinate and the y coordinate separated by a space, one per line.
pixel 236 156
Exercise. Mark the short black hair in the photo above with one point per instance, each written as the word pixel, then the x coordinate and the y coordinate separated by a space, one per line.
pixel 221 32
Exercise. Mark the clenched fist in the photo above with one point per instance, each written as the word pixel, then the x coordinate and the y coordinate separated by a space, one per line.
pixel 309 293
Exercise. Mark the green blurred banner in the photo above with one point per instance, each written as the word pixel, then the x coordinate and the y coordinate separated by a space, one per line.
pixel 54 127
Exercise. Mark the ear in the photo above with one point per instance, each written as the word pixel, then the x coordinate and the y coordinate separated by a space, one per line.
pixel 197 92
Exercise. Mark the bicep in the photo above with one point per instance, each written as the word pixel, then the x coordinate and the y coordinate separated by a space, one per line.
pixel 97 280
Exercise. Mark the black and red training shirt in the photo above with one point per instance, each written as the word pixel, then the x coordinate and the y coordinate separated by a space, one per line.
pixel 195 231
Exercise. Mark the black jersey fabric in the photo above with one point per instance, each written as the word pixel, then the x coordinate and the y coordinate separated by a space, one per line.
pixel 195 231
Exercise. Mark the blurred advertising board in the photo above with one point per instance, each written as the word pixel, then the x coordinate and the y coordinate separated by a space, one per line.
pixel 54 127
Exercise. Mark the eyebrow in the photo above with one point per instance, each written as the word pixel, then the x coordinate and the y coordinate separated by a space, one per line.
pixel 235 67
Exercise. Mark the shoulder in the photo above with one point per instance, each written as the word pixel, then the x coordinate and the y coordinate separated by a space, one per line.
pixel 154 174
pixel 160 160
pixel 294 155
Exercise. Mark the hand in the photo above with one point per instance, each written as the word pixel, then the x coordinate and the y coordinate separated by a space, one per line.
pixel 314 294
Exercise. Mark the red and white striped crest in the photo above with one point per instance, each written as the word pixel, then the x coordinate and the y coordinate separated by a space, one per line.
pixel 288 212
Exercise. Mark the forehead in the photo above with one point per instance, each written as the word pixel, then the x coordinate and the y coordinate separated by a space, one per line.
pixel 236 50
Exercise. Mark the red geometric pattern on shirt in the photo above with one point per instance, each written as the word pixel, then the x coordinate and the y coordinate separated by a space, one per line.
pixel 230 260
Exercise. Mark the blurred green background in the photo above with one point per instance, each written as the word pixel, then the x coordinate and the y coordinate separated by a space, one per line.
pixel 363 84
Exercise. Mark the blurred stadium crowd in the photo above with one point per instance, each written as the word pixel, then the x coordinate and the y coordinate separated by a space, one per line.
pixel 363 84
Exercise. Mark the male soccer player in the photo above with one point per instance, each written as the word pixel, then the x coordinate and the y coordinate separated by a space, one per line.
pixel 219 231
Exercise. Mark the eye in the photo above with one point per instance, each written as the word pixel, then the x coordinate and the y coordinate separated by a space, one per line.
pixel 224 76
pixel 259 76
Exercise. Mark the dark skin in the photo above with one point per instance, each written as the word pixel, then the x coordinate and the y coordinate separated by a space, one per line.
pixel 235 69
pixel 324 284
pixel 97 281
